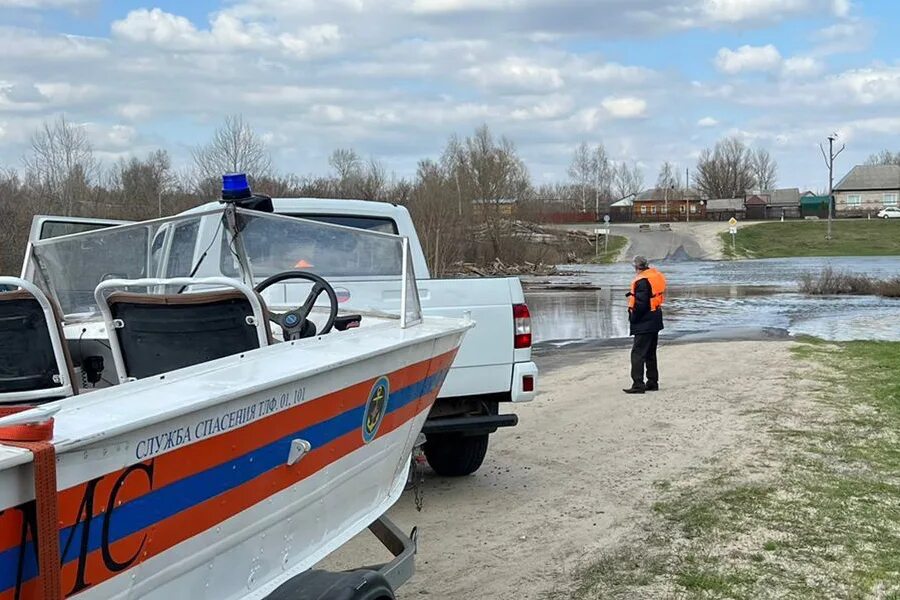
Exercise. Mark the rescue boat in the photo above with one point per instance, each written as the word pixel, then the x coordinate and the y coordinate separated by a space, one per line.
pixel 173 430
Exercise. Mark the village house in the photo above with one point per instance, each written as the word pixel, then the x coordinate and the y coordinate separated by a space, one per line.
pixel 813 205
pixel 722 209
pixel 867 189
pixel 659 204
pixel 773 204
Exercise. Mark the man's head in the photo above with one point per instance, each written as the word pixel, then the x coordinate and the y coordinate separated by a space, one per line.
pixel 640 263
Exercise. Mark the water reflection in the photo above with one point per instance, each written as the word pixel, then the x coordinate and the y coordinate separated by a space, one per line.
pixel 707 296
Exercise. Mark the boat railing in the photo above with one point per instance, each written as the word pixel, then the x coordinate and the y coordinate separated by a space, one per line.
pixel 65 386
pixel 258 320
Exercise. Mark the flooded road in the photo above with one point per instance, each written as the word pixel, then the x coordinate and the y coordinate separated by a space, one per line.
pixel 710 297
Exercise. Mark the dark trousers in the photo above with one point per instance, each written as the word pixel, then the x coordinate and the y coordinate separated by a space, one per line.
pixel 643 353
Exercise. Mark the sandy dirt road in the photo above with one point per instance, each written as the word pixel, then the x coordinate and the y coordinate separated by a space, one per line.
pixel 698 240
pixel 580 471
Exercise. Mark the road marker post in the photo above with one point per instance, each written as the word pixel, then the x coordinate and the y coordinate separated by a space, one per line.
pixel 732 229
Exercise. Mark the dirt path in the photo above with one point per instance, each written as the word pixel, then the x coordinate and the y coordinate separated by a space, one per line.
pixel 579 470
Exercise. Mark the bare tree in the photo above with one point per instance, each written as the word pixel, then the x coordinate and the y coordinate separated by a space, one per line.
pixel 669 177
pixel 725 171
pixel 628 180
pixel 15 214
pixel 602 172
pixel 144 184
pixel 581 171
pixel 61 163
pixel 491 173
pixel 372 181
pixel 346 162
pixel 235 148
pixel 884 157
pixel 765 169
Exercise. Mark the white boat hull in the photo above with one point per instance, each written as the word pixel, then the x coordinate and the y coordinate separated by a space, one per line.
pixel 181 487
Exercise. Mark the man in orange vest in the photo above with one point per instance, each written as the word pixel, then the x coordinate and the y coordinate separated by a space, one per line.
pixel 645 301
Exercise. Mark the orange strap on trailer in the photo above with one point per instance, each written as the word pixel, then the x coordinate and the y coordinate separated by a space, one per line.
pixel 36 438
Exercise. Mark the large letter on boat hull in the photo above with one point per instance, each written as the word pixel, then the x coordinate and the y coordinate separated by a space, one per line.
pixel 29 525
pixel 112 564
pixel 87 509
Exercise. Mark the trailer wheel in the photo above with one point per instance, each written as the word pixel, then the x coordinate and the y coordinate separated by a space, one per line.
pixel 456 455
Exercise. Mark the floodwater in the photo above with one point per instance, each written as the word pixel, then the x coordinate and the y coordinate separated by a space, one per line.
pixel 710 297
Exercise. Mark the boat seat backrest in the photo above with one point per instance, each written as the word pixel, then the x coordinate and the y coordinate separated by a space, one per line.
pixel 159 333
pixel 29 367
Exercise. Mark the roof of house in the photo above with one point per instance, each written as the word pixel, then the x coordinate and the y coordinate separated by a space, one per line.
pixel 870 177
pixel 622 203
pixel 781 197
pixel 785 197
pixel 725 204
pixel 757 200
pixel 659 194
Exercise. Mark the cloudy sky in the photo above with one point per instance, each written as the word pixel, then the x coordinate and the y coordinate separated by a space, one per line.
pixel 653 80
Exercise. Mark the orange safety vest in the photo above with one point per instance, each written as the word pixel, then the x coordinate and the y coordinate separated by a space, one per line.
pixel 657 287
pixel 302 264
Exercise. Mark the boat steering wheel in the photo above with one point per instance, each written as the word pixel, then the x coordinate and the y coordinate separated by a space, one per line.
pixel 295 323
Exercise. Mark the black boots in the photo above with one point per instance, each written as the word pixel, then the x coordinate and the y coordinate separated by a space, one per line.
pixel 640 389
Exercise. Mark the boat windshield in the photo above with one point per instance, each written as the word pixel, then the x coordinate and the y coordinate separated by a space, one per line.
pixel 370 270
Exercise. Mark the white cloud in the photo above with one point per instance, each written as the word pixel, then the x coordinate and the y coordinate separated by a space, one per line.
pixel 617 73
pixel 748 58
pixel 449 6
pixel 867 86
pixel 707 122
pixel 158 27
pixel 227 33
pixel 45 4
pixel 739 11
pixel 841 8
pixel 626 107
pixel 22 45
pixel 801 66
pixel 517 73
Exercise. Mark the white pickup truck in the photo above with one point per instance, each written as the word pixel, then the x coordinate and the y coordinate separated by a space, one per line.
pixel 493 365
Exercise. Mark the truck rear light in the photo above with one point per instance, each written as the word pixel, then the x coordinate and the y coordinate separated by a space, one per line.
pixel 527 383
pixel 522 321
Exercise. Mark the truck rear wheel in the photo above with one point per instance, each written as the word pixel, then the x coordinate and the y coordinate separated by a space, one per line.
pixel 454 454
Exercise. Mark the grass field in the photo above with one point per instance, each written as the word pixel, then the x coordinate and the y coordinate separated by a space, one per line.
pixel 850 237
pixel 617 243
pixel 824 524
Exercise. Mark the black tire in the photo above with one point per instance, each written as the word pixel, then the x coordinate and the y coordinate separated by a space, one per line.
pixel 456 455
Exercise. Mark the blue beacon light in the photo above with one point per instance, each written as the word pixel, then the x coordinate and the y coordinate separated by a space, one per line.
pixel 235 186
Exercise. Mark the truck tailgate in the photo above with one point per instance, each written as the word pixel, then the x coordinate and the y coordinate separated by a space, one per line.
pixel 485 359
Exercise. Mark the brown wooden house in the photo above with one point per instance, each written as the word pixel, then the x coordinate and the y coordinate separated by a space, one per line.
pixel 669 205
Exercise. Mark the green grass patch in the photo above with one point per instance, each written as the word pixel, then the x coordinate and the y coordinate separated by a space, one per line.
pixel 849 237
pixel 611 254
pixel 824 524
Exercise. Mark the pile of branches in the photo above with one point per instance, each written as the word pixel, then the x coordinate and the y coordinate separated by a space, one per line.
pixel 499 269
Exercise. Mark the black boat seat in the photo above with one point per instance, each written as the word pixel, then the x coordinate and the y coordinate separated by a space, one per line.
pixel 157 333
pixel 29 368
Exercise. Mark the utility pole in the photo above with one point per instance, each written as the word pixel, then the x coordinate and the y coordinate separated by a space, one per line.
pixel 829 162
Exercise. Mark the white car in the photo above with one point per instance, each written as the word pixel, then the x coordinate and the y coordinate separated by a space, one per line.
pixel 891 212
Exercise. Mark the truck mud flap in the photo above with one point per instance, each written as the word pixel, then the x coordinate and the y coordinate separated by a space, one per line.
pixel 473 425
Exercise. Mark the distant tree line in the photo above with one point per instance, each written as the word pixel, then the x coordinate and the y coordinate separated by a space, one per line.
pixel 885 157
pixel 458 201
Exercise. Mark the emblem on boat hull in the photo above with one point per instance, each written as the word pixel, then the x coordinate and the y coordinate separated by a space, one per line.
pixel 376 407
